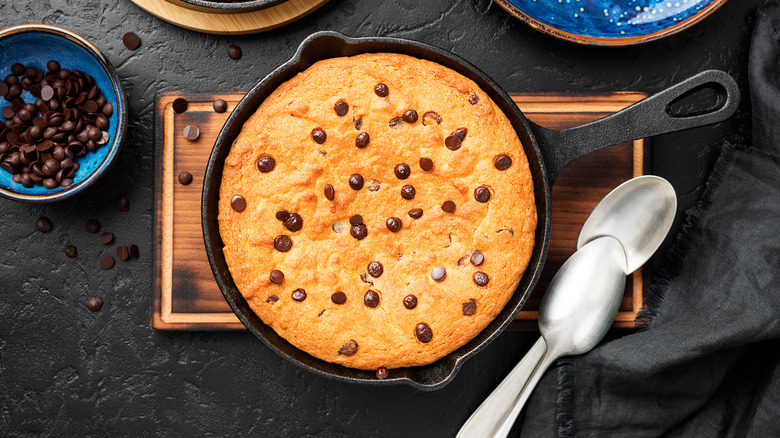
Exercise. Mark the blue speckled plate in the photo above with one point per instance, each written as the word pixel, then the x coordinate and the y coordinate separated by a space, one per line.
pixel 34 45
pixel 610 22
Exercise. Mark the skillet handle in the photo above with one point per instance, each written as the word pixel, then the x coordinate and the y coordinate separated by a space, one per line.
pixel 646 118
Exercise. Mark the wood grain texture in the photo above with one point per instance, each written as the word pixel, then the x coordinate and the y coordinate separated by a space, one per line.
pixel 185 295
pixel 230 24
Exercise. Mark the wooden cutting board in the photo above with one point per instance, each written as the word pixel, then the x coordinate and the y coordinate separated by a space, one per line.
pixel 185 295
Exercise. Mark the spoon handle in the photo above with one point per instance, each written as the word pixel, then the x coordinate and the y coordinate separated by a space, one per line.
pixel 495 416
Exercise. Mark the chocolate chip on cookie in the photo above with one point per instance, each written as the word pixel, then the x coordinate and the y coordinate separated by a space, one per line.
pixel 381 90
pixel 410 116
pixel 362 140
pixel 318 135
pixel 423 332
pixel 502 162
pixel 349 348
pixel 299 295
pixel 480 278
pixel 282 215
pixel 266 163
pixel 283 243
pixel 294 222
pixel 408 192
pixel 394 224
pixel 238 203
pixel 330 193
pixel 359 232
pixel 375 269
pixel 416 213
pixel 341 107
pixel 482 194
pixel 469 307
pixel 448 206
pixel 426 164
pixel 271 299
pixel 477 258
pixel 438 274
pixel 371 299
pixel 452 142
pixel 402 171
pixel 473 98
pixel 356 181
pixel 338 297
pixel 396 122
pixel 355 220
pixel 277 276
pixel 410 301
pixel 382 373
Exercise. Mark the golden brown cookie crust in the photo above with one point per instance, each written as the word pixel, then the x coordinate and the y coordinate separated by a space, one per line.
pixel 325 257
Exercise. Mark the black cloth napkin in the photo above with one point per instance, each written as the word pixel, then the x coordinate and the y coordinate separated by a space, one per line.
pixel 706 359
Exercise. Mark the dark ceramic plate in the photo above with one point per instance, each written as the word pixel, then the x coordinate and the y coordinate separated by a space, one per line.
pixel 34 45
pixel 610 22
pixel 226 6
pixel 547 151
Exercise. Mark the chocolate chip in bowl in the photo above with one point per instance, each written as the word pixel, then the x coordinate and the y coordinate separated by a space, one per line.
pixel 63 118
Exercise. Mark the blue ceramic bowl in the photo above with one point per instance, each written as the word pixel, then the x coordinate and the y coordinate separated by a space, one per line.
pixel 610 22
pixel 34 45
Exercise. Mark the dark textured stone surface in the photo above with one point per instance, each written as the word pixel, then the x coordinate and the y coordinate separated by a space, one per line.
pixel 66 371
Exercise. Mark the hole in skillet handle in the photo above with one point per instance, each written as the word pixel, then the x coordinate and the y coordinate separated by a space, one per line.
pixel 703 99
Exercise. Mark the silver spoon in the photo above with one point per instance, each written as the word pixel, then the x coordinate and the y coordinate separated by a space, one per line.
pixel 583 297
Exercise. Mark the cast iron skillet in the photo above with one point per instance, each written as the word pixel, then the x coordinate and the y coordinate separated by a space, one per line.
pixel 548 152
pixel 226 6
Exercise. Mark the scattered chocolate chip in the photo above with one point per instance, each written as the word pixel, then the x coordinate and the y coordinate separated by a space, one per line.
pixel 294 222
pixel 185 178
pixel 408 192
pixel 396 122
pixel 93 226
pixel 330 193
pixel 18 69
pixel 272 299
pixel 283 243
pixel 438 274
pixel 94 304
pixel 180 105
pixel 469 307
pixel 355 219
pixel 299 295
pixel 191 132
pixel 480 278
pixel 362 140
pixel 394 224
pixel 371 299
pixel 359 232
pixel 276 277
pixel 266 163
pixel 448 206
pixel 473 98
pixel 122 203
pixel 106 262
pixel 410 302
pixel 452 142
pixel 430 118
pixel 356 181
pixel 339 297
pixel 3 90
pixel 106 238
pixel 234 52
pixel 220 106
pixel 423 332
pixel 131 40
pixel 318 135
pixel 477 258
pixel 341 108
pixel 410 116
pixel 502 162
pixel 382 373
pixel 375 269
pixel 238 203
pixel 71 251
pixel 349 348
pixel 402 171
pixel 122 253
pixel 416 213
pixel 282 215
pixel 133 250
pixel 43 225
pixel 381 90
pixel 460 133
pixel 482 194
pixel 426 164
